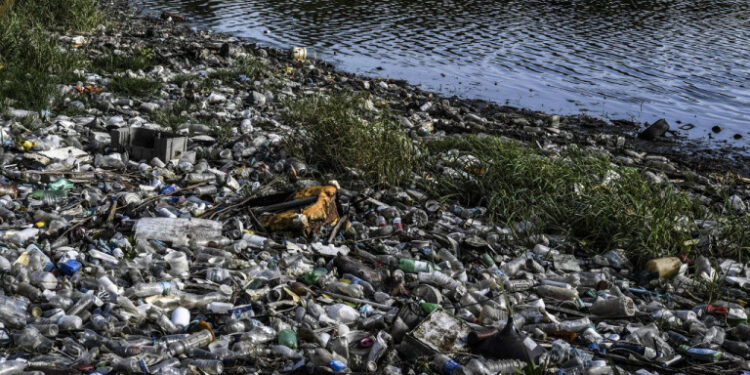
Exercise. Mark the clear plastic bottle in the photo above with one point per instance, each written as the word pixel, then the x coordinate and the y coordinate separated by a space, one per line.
pixel 32 340
pixel 12 313
pixel 505 366
pixel 441 280
pixel 151 289
pixel 199 339
pixel 377 350
pixel 208 366
pixel 15 366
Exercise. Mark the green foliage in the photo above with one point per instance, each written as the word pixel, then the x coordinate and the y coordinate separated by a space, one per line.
pixel 250 67
pixel 338 135
pixel 141 59
pixel 603 205
pixel 133 86
pixel 172 116
pixel 181 79
pixel 31 59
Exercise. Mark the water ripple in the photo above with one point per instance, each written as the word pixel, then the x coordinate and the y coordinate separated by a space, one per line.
pixel 681 59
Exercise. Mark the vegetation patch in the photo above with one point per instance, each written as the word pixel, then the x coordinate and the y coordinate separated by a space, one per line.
pixel 133 86
pixel 140 59
pixel 576 193
pixel 173 116
pixel 245 69
pixel 338 135
pixel 32 61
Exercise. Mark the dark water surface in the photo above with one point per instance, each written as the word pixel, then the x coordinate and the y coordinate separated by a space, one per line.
pixel 686 60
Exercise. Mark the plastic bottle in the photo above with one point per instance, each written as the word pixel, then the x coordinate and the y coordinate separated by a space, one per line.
pixel 12 316
pixel 414 266
pixel 351 290
pixel 15 366
pixel 342 313
pixel 616 307
pixel 557 293
pixel 50 197
pixel 505 366
pixel 445 365
pixel 44 280
pixel 665 268
pixel 180 317
pixel 441 280
pixel 288 338
pixel 208 366
pixel 377 350
pixel 151 289
pixel 32 340
pixel 701 354
pixel 737 347
pixel 199 339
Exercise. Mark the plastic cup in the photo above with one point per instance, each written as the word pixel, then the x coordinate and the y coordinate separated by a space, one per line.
pixel 178 263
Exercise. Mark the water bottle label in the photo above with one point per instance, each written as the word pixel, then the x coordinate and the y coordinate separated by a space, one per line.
pixel 450 366
pixel 701 351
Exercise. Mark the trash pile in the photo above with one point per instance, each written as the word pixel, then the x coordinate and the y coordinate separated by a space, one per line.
pixel 193 265
pixel 126 248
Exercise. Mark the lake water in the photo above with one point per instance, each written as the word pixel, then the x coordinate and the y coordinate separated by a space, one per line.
pixel 684 60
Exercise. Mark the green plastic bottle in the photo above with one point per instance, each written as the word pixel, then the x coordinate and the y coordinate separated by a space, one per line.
pixel 414 266
pixel 50 197
pixel 61 184
pixel 288 338
pixel 487 260
pixel 313 277
pixel 428 307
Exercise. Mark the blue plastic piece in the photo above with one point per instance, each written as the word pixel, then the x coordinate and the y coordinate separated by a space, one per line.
pixel 70 266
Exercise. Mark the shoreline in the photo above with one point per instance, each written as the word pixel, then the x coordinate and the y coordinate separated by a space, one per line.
pixel 695 153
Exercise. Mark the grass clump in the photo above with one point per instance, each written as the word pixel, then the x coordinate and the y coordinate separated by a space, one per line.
pixel 141 59
pixel 133 86
pixel 172 117
pixel 249 67
pixel 181 79
pixel 338 135
pixel 577 194
pixel 32 61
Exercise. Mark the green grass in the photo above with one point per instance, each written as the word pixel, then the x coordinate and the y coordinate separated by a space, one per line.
pixel 571 194
pixel 172 116
pixel 181 79
pixel 339 136
pixel 224 75
pixel 250 67
pixel 30 54
pixel 140 59
pixel 125 85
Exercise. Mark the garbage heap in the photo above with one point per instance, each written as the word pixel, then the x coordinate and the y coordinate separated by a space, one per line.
pixel 165 267
pixel 125 248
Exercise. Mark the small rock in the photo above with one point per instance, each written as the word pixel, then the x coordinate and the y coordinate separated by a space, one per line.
pixel 716 128
pixel 657 129
pixel 425 107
